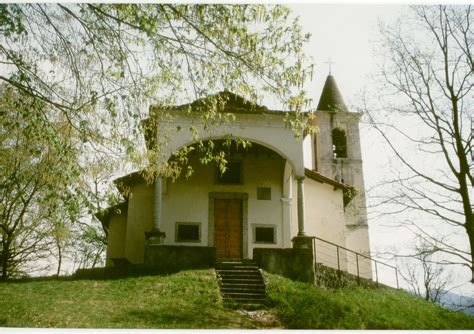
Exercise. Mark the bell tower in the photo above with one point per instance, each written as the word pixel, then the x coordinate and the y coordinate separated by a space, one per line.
pixel 337 154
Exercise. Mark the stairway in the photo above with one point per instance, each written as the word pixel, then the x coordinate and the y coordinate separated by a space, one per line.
pixel 241 282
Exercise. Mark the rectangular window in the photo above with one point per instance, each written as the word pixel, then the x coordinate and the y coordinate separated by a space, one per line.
pixel 264 193
pixel 264 235
pixel 188 232
pixel 232 175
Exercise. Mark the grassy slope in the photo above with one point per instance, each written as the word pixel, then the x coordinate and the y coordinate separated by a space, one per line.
pixel 191 299
pixel 301 305
pixel 188 299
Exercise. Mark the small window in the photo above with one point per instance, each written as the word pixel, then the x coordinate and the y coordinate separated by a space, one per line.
pixel 339 143
pixel 188 232
pixel 264 193
pixel 264 235
pixel 232 175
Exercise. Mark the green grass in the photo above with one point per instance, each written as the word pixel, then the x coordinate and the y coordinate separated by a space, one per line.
pixel 301 305
pixel 191 299
pixel 188 299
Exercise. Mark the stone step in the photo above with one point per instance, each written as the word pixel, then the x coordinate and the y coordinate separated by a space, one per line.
pixel 245 301
pixel 239 270
pixel 242 286
pixel 243 290
pixel 242 281
pixel 236 267
pixel 242 295
pixel 239 275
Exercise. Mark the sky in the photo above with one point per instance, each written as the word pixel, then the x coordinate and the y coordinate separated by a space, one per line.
pixel 345 34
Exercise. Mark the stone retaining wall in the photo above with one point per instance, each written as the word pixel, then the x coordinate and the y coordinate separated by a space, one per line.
pixel 293 263
pixel 168 258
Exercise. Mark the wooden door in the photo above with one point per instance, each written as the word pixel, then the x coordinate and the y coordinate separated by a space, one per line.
pixel 228 228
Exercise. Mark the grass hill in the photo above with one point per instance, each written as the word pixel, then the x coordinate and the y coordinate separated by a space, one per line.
pixel 191 299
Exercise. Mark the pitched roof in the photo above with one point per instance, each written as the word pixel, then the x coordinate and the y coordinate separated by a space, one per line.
pixel 348 192
pixel 331 99
pixel 105 215
pixel 234 104
pixel 324 179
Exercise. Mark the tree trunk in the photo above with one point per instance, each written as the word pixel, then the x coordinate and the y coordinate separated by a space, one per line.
pixel 470 233
pixel 5 258
pixel 60 260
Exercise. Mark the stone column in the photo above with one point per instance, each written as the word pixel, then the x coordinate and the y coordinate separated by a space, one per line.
pixel 301 240
pixel 156 236
pixel 301 206
pixel 157 204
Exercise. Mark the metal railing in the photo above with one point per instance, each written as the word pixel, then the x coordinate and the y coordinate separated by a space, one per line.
pixel 338 257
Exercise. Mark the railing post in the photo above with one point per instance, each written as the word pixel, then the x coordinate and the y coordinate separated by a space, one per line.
pixel 338 265
pixel 396 275
pixel 357 264
pixel 376 273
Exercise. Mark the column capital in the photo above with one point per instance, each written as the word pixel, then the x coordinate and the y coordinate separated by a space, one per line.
pixel 285 200
pixel 300 178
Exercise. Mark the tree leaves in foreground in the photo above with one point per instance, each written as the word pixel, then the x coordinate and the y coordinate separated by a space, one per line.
pixel 78 80
pixel 38 169
pixel 101 64
pixel 426 120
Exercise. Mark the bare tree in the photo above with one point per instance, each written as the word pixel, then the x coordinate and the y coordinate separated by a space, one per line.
pixel 426 122
pixel 426 278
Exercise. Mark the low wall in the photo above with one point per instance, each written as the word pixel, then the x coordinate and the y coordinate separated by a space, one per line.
pixel 331 278
pixel 175 258
pixel 293 263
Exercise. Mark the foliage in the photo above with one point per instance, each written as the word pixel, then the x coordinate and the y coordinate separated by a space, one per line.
pixel 426 120
pixel 37 170
pixel 95 69
pixel 100 64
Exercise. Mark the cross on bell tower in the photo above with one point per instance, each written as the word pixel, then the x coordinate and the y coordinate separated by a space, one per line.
pixel 329 62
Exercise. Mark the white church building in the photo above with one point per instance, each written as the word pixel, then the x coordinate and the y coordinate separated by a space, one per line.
pixel 275 190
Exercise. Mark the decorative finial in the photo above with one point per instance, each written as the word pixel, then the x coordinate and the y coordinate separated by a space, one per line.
pixel 329 62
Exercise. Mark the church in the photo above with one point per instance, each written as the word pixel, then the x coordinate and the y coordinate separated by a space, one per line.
pixel 274 193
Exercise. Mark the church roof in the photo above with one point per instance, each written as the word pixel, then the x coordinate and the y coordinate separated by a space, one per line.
pixel 312 174
pixel 331 99
pixel 234 104
pixel 105 215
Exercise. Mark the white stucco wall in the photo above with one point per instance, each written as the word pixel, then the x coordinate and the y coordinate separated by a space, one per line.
pixel 116 238
pixel 357 239
pixel 268 130
pixel 139 220
pixel 187 200
pixel 324 212
pixel 308 152
pixel 324 218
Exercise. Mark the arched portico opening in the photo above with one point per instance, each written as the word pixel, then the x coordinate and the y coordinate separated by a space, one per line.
pixel 256 144
pixel 239 179
pixel 233 211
